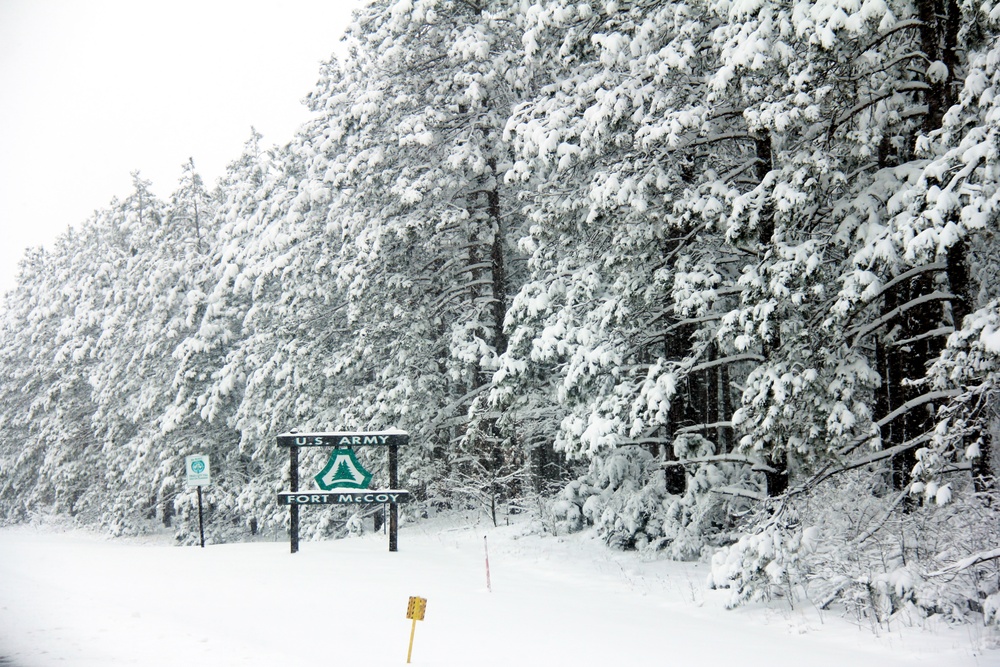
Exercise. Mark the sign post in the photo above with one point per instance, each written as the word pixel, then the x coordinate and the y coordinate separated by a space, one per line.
pixel 293 511
pixel 198 473
pixel 393 509
pixel 343 480
pixel 415 611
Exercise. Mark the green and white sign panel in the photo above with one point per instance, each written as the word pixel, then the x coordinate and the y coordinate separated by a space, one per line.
pixel 343 471
pixel 197 470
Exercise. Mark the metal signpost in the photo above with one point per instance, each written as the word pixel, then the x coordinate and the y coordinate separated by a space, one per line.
pixel 198 473
pixel 343 480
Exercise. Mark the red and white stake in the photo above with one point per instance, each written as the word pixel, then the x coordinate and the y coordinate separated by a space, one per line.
pixel 489 588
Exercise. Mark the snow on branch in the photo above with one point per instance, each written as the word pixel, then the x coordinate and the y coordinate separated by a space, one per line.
pixel 966 563
pixel 457 403
pixel 459 290
pixel 681 244
pixel 915 271
pixel 755 464
pixel 876 526
pixel 736 358
pixel 739 493
pixel 706 141
pixel 918 401
pixel 872 101
pixel 702 427
pixel 683 323
pixel 862 331
pixel 897 27
pixel 474 267
pixel 833 469
pixel 933 333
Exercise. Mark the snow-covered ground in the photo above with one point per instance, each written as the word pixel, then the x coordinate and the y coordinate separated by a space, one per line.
pixel 72 598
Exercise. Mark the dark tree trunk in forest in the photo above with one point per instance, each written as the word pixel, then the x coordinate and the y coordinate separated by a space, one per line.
pixel 905 346
pixel 777 477
pixel 726 440
pixel 765 161
pixel 939 26
pixel 906 361
pixel 962 304
pixel 498 266
pixel 983 476
pixel 487 247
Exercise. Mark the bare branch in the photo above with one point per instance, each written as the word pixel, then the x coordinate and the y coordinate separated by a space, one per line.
pixel 739 493
pixel 966 563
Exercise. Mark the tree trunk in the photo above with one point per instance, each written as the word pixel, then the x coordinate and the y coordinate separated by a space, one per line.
pixel 498 266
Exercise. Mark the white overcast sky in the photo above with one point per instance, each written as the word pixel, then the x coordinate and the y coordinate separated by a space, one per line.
pixel 91 90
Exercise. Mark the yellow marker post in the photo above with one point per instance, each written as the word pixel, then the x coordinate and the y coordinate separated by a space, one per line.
pixel 415 611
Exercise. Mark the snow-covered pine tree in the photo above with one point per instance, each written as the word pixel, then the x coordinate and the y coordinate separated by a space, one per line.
pixel 848 395
pixel 49 457
pixel 153 267
pixel 244 372
pixel 414 154
pixel 630 271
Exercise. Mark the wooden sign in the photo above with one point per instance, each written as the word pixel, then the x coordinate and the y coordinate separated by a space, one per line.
pixel 344 439
pixel 415 609
pixel 367 496
pixel 343 480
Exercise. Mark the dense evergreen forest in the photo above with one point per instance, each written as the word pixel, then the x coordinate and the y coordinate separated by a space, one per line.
pixel 715 278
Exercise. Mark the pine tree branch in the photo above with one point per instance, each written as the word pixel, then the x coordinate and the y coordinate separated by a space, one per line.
pixel 734 359
pixel 906 275
pixel 703 427
pixel 918 401
pixel 897 27
pixel 866 329
pixel 915 271
pixel 677 325
pixel 833 469
pixel 755 464
pixel 908 87
pixel 934 333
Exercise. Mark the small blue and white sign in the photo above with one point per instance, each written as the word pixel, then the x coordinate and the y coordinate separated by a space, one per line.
pixel 197 470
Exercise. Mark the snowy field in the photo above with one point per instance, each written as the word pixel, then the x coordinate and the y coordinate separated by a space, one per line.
pixel 72 598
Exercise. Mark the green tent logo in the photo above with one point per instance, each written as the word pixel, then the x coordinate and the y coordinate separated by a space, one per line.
pixel 343 471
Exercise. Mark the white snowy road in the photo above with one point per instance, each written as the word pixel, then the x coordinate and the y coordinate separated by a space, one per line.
pixel 80 600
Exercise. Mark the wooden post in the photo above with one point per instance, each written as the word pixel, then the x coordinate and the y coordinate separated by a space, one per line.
pixel 393 507
pixel 413 630
pixel 415 610
pixel 293 509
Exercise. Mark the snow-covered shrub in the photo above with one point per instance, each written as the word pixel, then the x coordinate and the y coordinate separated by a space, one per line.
pixel 625 497
pixel 855 546
pixel 621 496
pixel 767 562
pixel 991 609
pixel 704 516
